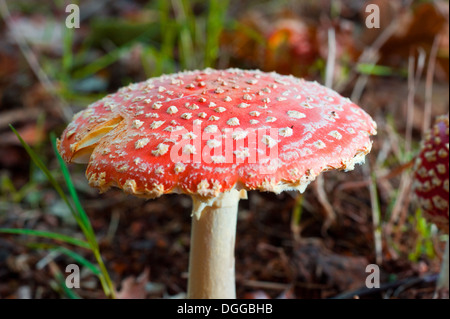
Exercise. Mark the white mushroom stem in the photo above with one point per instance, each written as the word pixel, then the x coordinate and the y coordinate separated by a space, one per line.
pixel 211 260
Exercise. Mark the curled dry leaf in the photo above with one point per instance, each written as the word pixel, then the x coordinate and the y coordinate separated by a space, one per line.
pixel 134 288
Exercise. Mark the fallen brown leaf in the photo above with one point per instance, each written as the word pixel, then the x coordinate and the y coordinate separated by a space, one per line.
pixel 134 287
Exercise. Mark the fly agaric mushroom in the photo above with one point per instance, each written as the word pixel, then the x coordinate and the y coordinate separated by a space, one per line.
pixel 431 183
pixel 214 134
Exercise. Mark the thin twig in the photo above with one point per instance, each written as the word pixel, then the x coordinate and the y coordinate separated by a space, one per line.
pixel 429 84
pixel 378 244
pixel 331 58
pixel 413 81
pixel 364 183
pixel 364 291
pixel 414 74
pixel 371 55
pixel 319 185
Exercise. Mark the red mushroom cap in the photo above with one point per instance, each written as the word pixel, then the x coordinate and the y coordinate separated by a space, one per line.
pixel 206 132
pixel 431 174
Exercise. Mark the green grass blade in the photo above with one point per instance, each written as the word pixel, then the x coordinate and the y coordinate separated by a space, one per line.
pixel 214 26
pixel 374 69
pixel 46 234
pixel 80 259
pixel 37 161
pixel 73 193
pixel 168 38
pixel 70 293
pixel 67 58
pixel 100 63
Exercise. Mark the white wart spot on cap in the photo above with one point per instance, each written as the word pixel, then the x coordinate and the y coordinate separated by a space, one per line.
pixel 306 105
pixel 156 124
pixel 335 134
pixel 138 98
pixel 243 105
pixel 172 109
pixel 319 144
pixel 186 116
pixel 294 171
pixel 443 153
pixel 173 129
pixel 441 169
pixel 123 168
pixel 219 159
pixel 439 202
pixel 193 107
pixel 285 132
pixel 269 141
pixel 161 149
pixel 137 124
pixel 242 154
pixel 189 136
pixel 156 105
pixel 296 114
pixel 87 113
pixel 220 109
pixel 130 186
pixel 270 119
pixel 213 118
pixel 234 121
pixel 189 149
pixel 179 168
pixel 141 143
pixel 254 113
pixel 239 135
pixel 211 129
pixel 213 143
